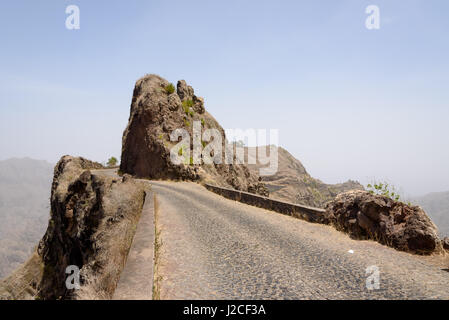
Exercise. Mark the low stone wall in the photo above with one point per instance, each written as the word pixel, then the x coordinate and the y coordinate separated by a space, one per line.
pixel 298 211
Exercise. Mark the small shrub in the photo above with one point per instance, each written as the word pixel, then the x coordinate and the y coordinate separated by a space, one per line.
pixel 170 88
pixel 384 189
pixel 112 162
pixel 186 105
pixel 202 122
pixel 186 123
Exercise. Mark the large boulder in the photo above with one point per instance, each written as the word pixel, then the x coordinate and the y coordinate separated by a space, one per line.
pixel 155 113
pixel 367 216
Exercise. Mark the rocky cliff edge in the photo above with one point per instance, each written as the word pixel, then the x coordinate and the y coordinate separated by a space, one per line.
pixel 92 223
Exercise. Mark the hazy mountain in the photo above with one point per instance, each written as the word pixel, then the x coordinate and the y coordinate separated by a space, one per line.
pixel 436 206
pixel 24 209
pixel 294 184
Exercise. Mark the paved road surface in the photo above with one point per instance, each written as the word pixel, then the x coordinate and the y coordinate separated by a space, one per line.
pixel 214 248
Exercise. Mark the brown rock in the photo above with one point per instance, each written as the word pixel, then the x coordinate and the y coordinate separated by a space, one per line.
pixel 185 92
pixel 390 222
pixel 126 177
pixel 198 104
pixel 79 232
pixel 174 102
pixel 445 243
pixel 146 143
pixel 92 222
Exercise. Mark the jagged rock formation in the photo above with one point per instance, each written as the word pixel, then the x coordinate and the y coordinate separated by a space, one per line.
pixel 367 216
pixel 156 111
pixel 92 223
pixel 294 184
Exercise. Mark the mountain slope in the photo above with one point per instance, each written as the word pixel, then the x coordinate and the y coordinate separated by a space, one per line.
pixel 24 209
pixel 292 183
pixel 437 207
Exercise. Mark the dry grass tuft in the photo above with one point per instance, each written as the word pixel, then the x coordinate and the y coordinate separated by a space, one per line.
pixel 157 279
pixel 22 284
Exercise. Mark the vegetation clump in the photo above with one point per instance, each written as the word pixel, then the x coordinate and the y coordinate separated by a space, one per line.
pixel 384 189
pixel 112 162
pixel 186 105
pixel 169 88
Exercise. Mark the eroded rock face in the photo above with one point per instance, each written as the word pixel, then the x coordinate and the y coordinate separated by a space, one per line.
pixel 445 243
pixel 91 226
pixel 367 216
pixel 155 114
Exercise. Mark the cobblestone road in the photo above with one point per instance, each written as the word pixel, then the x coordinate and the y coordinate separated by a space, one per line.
pixel 214 248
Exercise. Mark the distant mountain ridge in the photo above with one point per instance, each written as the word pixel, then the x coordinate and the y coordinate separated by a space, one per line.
pixel 25 186
pixel 293 183
pixel 436 205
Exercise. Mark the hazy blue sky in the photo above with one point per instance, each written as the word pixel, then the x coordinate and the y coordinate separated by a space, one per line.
pixel 350 103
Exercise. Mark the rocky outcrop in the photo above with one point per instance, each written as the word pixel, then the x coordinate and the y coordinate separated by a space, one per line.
pixel 445 243
pixel 92 223
pixel 294 184
pixel 156 111
pixel 366 216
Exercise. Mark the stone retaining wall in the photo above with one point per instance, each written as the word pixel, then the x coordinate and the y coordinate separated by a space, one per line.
pixel 298 211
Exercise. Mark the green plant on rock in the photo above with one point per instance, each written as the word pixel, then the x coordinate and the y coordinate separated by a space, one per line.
pixel 186 105
pixel 169 88
pixel 181 151
pixel 112 162
pixel 384 189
